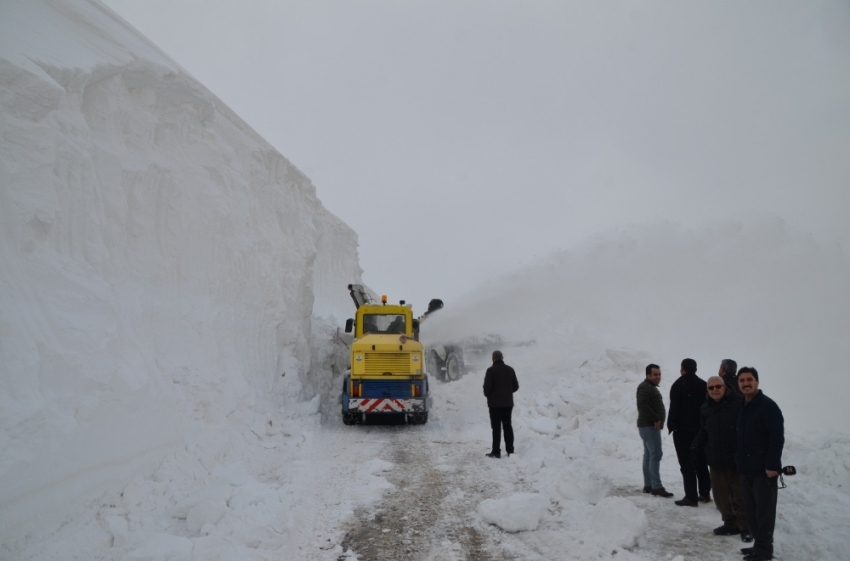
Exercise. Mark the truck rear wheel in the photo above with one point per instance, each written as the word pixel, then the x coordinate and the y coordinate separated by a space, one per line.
pixel 454 369
pixel 417 418
pixel 350 418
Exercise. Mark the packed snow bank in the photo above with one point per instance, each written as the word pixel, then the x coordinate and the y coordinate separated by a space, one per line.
pixel 619 521
pixel 761 293
pixel 161 264
pixel 588 466
pixel 518 513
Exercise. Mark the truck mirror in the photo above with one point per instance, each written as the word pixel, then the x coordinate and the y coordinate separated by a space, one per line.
pixel 349 325
pixel 416 326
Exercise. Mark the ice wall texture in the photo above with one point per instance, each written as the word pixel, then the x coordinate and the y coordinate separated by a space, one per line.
pixel 159 261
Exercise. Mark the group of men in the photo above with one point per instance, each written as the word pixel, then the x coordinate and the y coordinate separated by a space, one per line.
pixel 728 425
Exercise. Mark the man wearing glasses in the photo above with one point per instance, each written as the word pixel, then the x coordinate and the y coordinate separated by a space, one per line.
pixel 718 438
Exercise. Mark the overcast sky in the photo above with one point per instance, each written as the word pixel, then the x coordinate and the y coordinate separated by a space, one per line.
pixel 463 139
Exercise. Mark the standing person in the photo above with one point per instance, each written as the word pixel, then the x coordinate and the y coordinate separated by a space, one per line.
pixel 761 437
pixel 650 422
pixel 718 438
pixel 686 398
pixel 500 383
pixel 727 374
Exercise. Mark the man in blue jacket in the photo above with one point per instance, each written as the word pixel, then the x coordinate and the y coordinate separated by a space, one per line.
pixel 761 436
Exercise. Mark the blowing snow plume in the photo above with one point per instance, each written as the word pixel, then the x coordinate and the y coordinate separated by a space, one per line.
pixel 759 292
pixel 160 262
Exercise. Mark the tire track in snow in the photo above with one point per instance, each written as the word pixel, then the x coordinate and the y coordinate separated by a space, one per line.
pixel 428 515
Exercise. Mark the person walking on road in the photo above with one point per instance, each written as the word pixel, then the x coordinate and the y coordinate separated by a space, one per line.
pixel 718 439
pixel 500 383
pixel 686 398
pixel 650 422
pixel 761 437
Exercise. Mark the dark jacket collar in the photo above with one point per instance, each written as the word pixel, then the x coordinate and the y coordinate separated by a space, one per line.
pixel 755 400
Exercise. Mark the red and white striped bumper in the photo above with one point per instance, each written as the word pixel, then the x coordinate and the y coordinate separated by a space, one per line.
pixel 386 405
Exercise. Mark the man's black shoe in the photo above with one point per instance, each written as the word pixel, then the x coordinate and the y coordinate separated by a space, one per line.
pixel 647 489
pixel 747 550
pixel 687 502
pixel 705 499
pixel 726 531
pixel 746 536
pixel 660 492
pixel 492 455
pixel 758 556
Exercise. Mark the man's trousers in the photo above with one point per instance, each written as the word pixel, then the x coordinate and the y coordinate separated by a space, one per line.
pixel 760 502
pixel 693 466
pixel 729 497
pixel 651 456
pixel 500 417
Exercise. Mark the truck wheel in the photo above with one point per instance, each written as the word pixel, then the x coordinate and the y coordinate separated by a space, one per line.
pixel 349 418
pixel 453 368
pixel 417 418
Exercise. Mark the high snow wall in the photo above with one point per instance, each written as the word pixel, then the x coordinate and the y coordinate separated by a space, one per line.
pixel 160 262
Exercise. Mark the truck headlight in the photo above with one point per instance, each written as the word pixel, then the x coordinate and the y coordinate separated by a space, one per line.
pixel 415 358
pixel 358 357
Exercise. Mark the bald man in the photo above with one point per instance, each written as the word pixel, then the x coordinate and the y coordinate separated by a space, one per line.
pixel 718 438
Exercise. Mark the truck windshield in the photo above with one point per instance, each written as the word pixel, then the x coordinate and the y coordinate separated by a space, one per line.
pixel 383 323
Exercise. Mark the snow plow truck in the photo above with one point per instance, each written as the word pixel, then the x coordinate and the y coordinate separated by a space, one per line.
pixel 387 374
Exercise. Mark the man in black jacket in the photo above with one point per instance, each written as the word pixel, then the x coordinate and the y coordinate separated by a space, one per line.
pixel 728 367
pixel 718 439
pixel 686 398
pixel 500 383
pixel 761 437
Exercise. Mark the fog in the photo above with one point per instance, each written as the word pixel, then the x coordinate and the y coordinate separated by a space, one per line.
pixel 676 175
pixel 761 293
pixel 464 140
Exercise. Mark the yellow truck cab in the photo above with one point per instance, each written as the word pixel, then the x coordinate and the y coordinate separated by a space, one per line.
pixel 387 374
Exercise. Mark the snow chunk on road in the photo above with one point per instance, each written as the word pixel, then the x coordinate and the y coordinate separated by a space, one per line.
pixel 517 513
pixel 377 465
pixel 205 512
pixel 543 425
pixel 583 484
pixel 619 521
pixel 218 493
pixel 162 547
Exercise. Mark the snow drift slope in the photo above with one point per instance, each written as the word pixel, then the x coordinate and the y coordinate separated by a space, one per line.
pixel 155 254
pixel 762 293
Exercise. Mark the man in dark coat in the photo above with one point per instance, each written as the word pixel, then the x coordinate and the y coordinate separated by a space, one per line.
pixel 718 438
pixel 728 367
pixel 500 383
pixel 761 437
pixel 686 398
pixel 650 422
